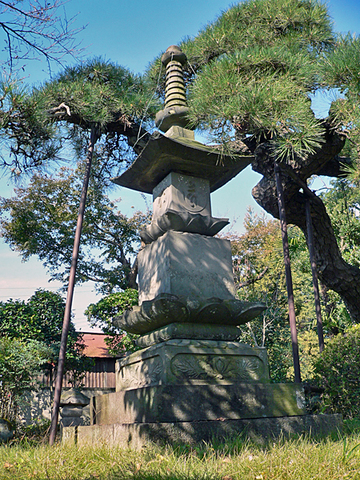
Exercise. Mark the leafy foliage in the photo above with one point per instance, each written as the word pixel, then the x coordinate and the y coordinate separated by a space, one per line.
pixel 97 92
pixel 259 274
pixel 338 372
pixel 340 71
pixel 343 204
pixel 27 137
pixel 100 314
pixel 40 320
pixel 20 361
pixel 39 124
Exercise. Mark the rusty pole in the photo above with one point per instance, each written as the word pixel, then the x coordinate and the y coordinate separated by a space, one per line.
pixel 310 236
pixel 288 276
pixel 70 291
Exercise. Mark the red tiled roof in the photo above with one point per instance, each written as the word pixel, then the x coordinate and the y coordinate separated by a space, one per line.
pixel 95 345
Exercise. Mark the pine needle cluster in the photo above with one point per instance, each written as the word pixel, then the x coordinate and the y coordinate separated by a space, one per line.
pixel 36 122
pixel 340 72
pixel 252 71
pixel 259 65
pixel 97 92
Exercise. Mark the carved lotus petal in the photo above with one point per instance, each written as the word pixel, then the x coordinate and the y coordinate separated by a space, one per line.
pixel 213 311
pixel 243 312
pixel 182 222
pixel 167 308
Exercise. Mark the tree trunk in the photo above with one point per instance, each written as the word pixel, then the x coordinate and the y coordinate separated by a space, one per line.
pixel 333 271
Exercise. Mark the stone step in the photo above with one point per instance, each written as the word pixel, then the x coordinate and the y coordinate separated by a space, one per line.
pixel 260 430
pixel 184 403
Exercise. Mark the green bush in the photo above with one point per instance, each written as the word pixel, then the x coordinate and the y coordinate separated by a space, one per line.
pixel 338 370
pixel 20 362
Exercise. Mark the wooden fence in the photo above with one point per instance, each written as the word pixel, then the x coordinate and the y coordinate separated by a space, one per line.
pixel 101 375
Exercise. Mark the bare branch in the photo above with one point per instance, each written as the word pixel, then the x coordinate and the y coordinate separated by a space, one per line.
pixel 37 30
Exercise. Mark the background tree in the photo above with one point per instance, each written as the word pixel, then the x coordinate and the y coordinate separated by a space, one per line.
pixel 30 334
pixel 41 219
pixel 40 320
pixel 100 314
pixel 337 370
pixel 259 275
pixel 251 77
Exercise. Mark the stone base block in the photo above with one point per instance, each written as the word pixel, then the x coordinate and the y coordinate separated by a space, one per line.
pixel 195 403
pixel 188 265
pixel 259 430
pixel 202 362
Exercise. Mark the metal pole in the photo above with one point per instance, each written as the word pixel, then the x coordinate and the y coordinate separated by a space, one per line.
pixel 310 236
pixel 70 291
pixel 289 285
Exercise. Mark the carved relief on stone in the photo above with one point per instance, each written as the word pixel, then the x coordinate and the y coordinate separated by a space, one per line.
pixel 140 374
pixel 182 193
pixel 182 204
pixel 214 368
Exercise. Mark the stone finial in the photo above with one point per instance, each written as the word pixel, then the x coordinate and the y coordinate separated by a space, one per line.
pixel 174 113
pixel 173 53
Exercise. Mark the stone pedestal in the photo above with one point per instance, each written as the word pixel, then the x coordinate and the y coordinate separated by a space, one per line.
pixel 198 403
pixel 192 381
pixel 258 430
pixel 188 391
pixel 195 380
pixel 192 362
pixel 72 404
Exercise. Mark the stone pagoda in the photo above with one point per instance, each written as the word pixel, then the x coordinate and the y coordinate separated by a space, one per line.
pixel 191 380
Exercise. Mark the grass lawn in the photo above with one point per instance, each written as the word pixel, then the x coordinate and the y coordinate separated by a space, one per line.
pixel 298 459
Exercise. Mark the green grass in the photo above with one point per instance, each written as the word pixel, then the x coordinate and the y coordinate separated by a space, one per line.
pixel 298 459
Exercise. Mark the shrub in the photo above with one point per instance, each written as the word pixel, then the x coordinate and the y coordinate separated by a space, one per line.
pixel 20 362
pixel 338 369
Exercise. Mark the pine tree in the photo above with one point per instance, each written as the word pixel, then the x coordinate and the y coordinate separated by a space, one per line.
pixel 251 77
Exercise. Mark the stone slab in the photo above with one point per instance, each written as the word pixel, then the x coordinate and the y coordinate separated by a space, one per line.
pixel 190 331
pixel 163 155
pixel 195 403
pixel 197 362
pixel 188 265
pixel 260 430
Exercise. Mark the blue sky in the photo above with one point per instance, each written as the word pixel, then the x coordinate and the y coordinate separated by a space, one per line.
pixel 132 34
